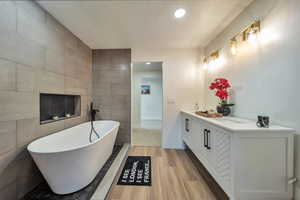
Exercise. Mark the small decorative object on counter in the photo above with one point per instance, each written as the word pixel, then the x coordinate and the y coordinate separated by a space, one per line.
pixel 221 85
pixel 68 115
pixel 263 121
pixel 196 107
pixel 209 114
pixel 55 117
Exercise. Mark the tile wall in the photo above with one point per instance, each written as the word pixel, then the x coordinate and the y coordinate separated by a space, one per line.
pixel 111 88
pixel 37 54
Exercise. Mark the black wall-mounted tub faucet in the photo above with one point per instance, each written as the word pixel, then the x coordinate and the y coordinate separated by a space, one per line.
pixel 93 112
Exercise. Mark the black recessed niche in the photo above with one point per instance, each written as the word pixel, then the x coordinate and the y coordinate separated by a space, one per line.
pixel 54 107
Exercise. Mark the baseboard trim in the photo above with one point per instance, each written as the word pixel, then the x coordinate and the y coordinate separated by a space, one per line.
pixel 151 119
pixel 210 181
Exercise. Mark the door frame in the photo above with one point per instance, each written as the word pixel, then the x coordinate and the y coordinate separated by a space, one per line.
pixel 163 98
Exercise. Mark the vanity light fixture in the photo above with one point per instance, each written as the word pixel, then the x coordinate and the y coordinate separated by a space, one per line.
pixel 248 34
pixel 233 46
pixel 214 62
pixel 213 59
pixel 214 55
pixel 205 63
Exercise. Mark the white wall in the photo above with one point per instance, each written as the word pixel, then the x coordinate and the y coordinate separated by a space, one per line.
pixel 181 86
pixel 265 77
pixel 150 110
pixel 151 104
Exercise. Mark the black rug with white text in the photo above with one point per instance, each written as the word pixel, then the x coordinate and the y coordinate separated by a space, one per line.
pixel 136 171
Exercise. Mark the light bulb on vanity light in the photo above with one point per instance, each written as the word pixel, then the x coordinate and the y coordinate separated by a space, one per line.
pixel 214 62
pixel 251 33
pixel 233 46
pixel 205 63
pixel 252 37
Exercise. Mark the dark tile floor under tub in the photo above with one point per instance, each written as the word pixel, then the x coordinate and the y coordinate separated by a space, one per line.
pixel 43 192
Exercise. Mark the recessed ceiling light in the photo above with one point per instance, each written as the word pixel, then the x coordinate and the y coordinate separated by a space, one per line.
pixel 179 13
pixel 148 63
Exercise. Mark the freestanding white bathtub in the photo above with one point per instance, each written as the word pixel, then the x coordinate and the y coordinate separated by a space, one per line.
pixel 67 159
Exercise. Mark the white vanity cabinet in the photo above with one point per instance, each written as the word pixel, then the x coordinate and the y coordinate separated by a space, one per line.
pixel 187 128
pixel 248 163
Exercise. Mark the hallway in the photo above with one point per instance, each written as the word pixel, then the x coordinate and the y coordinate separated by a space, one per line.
pixel 146 137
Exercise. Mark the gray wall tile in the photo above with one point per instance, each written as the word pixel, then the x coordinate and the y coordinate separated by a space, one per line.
pixel 29 53
pixel 49 59
pixel 50 82
pixel 85 105
pixel 29 18
pixel 8 175
pixel 8 45
pixel 70 40
pixel 26 131
pixel 120 89
pixel 27 78
pixel 32 9
pixel 101 87
pixel 55 35
pixel 55 61
pixel 111 88
pixel 7 160
pixel 7 136
pixel 105 112
pixel 18 105
pixel 8 14
pixel 47 129
pixel 7 75
pixel 74 121
pixel 75 86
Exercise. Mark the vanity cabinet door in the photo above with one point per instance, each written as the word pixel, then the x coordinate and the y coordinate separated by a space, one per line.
pixel 210 145
pixel 186 123
pixel 198 139
pixel 265 166
pixel 223 158
pixel 218 156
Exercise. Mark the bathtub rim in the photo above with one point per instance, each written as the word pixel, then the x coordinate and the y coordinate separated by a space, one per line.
pixel 75 148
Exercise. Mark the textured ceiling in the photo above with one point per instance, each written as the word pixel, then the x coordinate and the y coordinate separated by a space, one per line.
pixel 147 24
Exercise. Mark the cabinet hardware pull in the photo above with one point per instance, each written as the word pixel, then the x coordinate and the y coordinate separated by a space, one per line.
pixel 208 140
pixel 186 125
pixel 292 180
pixel 205 136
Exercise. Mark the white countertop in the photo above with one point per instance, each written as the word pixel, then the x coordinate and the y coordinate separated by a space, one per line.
pixel 238 124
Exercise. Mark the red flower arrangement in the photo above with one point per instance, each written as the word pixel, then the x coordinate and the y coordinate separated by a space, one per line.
pixel 221 85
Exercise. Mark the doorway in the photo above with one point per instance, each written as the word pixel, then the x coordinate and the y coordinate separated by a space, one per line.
pixel 147 103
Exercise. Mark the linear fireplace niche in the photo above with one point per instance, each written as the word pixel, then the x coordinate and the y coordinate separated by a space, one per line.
pixel 54 107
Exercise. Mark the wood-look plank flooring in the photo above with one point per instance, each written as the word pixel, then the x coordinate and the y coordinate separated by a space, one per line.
pixel 174 177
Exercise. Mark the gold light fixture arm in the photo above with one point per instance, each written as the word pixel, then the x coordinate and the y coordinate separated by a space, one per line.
pixel 214 55
pixel 254 28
